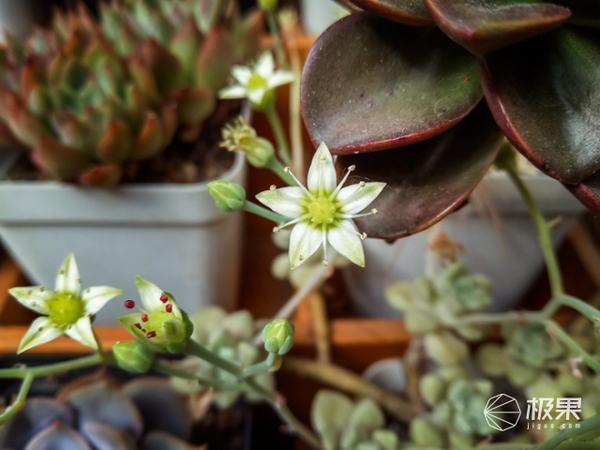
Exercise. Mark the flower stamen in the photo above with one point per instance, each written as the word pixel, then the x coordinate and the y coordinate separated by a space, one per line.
pixel 351 169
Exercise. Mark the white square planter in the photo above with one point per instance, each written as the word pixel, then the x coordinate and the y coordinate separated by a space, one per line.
pixel 171 234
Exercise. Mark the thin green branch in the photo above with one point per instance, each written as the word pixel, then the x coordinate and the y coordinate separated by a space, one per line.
pixel 277 42
pixel 578 305
pixel 218 12
pixel 263 212
pixel 555 329
pixel 543 227
pixel 278 131
pixel 564 436
pixel 279 170
pixel 20 401
pixel 66 366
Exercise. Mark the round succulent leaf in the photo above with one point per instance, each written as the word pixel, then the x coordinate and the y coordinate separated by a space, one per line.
pixel 367 415
pixel 58 436
pixel 545 95
pixel 36 415
pixel 103 437
pixel 409 12
pixel 330 412
pixel 428 180
pixel 206 321
pixel 588 192
pixel 483 26
pixel 101 402
pixel 372 84
pixel 161 406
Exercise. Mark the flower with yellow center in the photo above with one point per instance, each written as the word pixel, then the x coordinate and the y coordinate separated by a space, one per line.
pixel 257 84
pixel 64 310
pixel 322 212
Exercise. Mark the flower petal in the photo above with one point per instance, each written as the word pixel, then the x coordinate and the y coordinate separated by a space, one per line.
pixel 82 332
pixel 34 297
pixel 128 321
pixel 42 330
pixel 149 293
pixel 67 281
pixel 256 95
pixel 242 74
pixel 96 297
pixel 265 65
pixel 235 91
pixel 355 198
pixel 279 78
pixel 346 241
pixel 287 201
pixel 304 241
pixel 321 175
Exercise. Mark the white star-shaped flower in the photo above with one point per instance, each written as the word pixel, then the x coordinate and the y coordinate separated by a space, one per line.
pixel 64 310
pixel 323 212
pixel 257 83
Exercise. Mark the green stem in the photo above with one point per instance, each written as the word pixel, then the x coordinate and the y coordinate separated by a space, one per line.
pixel 280 137
pixel 277 42
pixel 20 401
pixel 555 329
pixel 255 369
pixel 263 212
pixel 278 168
pixel 578 305
pixel 544 229
pixel 168 369
pixel 220 6
pixel 570 433
pixel 79 363
pixel 194 348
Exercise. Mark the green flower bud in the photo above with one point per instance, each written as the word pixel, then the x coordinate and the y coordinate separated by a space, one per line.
pixel 228 196
pixel 133 356
pixel 241 137
pixel 278 336
pixel 268 5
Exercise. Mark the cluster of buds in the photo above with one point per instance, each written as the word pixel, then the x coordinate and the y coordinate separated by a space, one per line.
pixel 92 97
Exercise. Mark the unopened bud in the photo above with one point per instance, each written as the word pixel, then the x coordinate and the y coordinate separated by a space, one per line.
pixel 278 336
pixel 133 356
pixel 241 137
pixel 268 5
pixel 228 196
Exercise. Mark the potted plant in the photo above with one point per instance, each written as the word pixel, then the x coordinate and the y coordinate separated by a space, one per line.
pixel 127 104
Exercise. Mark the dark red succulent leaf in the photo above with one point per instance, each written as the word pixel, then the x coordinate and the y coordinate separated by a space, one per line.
pixel 588 192
pixel 409 12
pixel 545 95
pixel 484 26
pixel 426 181
pixel 584 12
pixel 371 84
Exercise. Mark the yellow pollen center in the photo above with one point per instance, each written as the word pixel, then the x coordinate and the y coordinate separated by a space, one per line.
pixel 257 81
pixel 322 211
pixel 65 309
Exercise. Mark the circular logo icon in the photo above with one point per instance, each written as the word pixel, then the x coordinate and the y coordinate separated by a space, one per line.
pixel 502 412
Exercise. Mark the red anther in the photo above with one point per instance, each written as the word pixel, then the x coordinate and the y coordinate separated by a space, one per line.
pixel 138 325
pixel 144 317
pixel 143 330
pixel 151 334
pixel 164 298
pixel 169 308
pixel 129 304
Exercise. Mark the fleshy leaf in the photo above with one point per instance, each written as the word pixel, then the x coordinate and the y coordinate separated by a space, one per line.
pixel 585 12
pixel 428 180
pixel 330 412
pixel 58 160
pixel 409 12
pixel 365 89
pixel 158 440
pixel 215 60
pixel 162 407
pixel 588 192
pixel 545 95
pixel 489 25
pixel 107 176
pixel 103 437
pixel 57 436
pixel 36 415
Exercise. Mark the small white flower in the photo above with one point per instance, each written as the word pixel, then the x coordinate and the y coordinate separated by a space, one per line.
pixel 323 212
pixel 64 310
pixel 257 83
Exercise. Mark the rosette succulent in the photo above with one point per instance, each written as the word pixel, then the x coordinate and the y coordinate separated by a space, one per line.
pixel 93 99
pixel 397 90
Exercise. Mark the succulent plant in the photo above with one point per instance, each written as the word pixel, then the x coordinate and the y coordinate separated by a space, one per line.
pixel 397 91
pixel 229 336
pixel 93 99
pixel 345 425
pixel 97 412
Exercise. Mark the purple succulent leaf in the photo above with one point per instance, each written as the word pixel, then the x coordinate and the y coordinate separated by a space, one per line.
pixel 159 440
pixel 36 415
pixel 483 26
pixel 545 95
pixel 103 403
pixel 372 84
pixel 409 12
pixel 426 181
pixel 103 437
pixel 162 408
pixel 58 436
pixel 584 12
